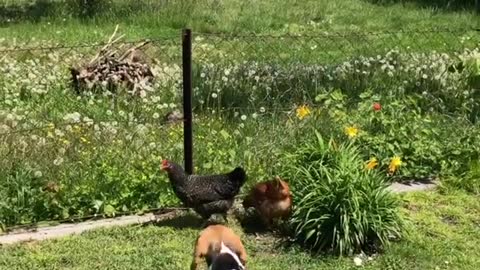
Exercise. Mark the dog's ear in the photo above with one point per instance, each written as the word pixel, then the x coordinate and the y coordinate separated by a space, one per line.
pixel 213 251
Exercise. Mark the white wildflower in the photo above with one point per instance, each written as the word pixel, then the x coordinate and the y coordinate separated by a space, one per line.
pixel 243 117
pixel 10 117
pixel 262 109
pixel 156 115
pixel 59 133
pixel 141 129
pixel 58 161
pixel 42 142
pixel 357 261
pixel 155 99
pixel 88 121
pixel 214 95
pixel 37 174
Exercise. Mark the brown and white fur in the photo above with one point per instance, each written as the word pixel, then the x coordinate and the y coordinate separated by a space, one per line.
pixel 218 244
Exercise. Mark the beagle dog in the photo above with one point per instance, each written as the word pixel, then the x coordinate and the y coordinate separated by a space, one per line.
pixel 221 248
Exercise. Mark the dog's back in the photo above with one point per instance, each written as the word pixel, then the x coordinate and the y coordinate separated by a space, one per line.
pixel 214 241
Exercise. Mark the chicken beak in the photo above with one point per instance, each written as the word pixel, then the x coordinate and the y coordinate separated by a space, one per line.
pixel 165 165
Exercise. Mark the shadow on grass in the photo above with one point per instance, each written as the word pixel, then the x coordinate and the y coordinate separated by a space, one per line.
pixel 179 220
pixel 444 5
pixel 251 224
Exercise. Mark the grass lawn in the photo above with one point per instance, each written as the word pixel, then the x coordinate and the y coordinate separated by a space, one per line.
pixel 147 18
pixel 444 235
pixel 70 155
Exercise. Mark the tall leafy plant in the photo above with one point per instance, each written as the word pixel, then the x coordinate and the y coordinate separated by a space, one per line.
pixel 340 206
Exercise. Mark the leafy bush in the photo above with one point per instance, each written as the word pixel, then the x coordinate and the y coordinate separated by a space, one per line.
pixel 468 181
pixel 340 206
pixel 88 8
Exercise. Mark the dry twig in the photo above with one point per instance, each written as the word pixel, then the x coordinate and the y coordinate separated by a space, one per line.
pixel 110 68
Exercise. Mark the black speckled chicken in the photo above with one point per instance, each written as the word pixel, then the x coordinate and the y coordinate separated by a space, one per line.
pixel 206 194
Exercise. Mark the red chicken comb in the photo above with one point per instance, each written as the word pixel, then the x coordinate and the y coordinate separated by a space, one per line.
pixel 165 162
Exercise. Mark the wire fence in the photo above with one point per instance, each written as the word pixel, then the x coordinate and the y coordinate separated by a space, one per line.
pixel 75 148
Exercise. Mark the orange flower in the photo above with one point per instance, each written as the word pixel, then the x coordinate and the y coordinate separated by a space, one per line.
pixel 303 111
pixel 371 164
pixel 394 164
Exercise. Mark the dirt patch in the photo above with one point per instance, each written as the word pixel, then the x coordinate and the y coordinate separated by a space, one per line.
pixel 450 220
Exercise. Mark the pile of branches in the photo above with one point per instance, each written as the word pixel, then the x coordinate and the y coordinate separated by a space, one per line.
pixel 113 67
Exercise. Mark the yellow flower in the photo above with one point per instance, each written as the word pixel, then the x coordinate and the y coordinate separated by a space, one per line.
pixel 351 132
pixel 394 164
pixel 302 112
pixel 51 125
pixel 372 163
pixel 84 140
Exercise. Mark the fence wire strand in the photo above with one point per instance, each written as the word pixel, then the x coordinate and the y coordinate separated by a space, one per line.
pixel 245 87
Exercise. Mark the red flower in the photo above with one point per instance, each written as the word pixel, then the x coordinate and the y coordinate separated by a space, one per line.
pixel 377 106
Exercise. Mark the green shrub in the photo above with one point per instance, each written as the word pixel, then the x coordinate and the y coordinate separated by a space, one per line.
pixel 339 206
pixel 88 8
pixel 468 181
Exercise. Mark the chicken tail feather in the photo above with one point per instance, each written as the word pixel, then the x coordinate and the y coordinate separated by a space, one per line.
pixel 238 176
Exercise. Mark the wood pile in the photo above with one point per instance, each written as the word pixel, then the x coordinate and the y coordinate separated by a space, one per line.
pixel 113 67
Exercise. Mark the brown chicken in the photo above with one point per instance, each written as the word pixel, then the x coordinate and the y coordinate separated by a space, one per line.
pixel 271 199
pixel 221 248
